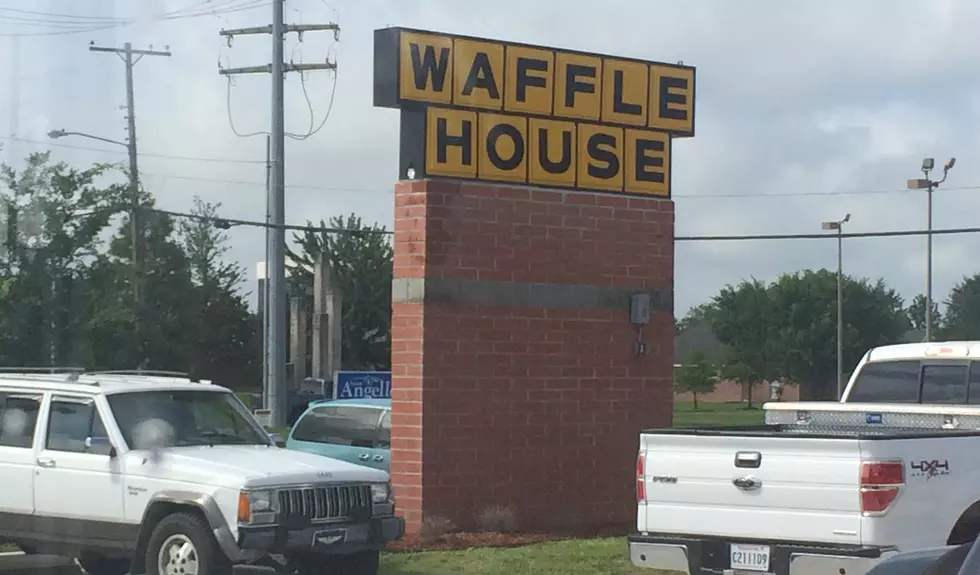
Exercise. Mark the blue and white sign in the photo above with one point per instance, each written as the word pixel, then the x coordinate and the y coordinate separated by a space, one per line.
pixel 362 385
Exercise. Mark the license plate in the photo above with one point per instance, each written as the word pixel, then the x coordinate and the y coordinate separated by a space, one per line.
pixel 749 557
pixel 327 538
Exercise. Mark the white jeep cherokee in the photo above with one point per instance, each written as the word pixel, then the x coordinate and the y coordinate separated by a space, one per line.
pixel 166 476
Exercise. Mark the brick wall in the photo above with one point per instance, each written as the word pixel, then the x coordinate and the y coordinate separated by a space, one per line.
pixel 728 391
pixel 514 376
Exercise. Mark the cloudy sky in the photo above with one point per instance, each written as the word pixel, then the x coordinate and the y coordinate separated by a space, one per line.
pixel 806 111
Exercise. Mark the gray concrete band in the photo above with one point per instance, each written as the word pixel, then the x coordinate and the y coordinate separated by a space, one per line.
pixel 524 294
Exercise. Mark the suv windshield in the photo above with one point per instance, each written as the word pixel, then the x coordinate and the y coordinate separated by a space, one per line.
pixel 182 418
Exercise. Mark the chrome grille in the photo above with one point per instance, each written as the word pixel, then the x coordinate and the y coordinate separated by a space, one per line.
pixel 325 503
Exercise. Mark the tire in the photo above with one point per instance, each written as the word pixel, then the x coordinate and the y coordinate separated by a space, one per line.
pixel 182 544
pixel 360 563
pixel 101 565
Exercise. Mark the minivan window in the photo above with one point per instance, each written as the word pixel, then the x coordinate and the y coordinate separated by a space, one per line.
pixel 944 384
pixel 340 425
pixel 384 434
pixel 886 382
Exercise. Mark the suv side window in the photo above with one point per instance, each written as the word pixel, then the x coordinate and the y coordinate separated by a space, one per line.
pixel 71 422
pixel 887 382
pixel 18 418
pixel 340 425
pixel 944 384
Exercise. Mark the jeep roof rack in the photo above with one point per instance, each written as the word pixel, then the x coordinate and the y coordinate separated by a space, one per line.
pixel 43 370
pixel 144 372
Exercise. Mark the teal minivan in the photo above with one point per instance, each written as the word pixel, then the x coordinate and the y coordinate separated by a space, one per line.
pixel 354 430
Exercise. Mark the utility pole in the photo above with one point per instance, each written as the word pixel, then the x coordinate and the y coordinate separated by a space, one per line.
pixel 12 147
pixel 126 54
pixel 276 235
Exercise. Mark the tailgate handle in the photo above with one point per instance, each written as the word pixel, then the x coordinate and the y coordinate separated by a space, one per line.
pixel 748 459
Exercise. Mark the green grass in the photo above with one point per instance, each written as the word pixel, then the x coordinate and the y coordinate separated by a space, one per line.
pixel 581 557
pixel 733 413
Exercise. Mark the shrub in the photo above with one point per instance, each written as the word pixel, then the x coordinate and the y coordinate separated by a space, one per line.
pixel 497 518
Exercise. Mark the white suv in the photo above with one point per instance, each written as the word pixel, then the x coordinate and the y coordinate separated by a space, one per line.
pixel 166 476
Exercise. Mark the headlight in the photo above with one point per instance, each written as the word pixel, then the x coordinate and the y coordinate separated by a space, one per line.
pixel 380 493
pixel 261 500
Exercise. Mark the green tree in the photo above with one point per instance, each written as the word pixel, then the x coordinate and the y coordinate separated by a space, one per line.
pixel 740 373
pixel 163 337
pixel 361 260
pixel 743 319
pixel 55 217
pixel 788 329
pixel 917 314
pixel 963 310
pixel 225 347
pixel 695 375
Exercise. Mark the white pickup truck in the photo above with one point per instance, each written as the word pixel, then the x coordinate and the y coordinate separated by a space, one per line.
pixel 823 487
pixel 166 476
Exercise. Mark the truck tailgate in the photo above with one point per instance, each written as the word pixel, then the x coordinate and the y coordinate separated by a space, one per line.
pixel 803 489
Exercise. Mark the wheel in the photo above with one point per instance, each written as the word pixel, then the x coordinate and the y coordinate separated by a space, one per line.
pixel 360 563
pixel 101 565
pixel 182 544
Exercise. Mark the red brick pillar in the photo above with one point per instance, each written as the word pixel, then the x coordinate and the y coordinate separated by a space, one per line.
pixel 515 377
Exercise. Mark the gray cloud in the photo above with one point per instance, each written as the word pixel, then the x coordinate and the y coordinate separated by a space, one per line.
pixel 794 97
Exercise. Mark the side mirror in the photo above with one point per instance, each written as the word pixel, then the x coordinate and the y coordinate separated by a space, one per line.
pixel 100 444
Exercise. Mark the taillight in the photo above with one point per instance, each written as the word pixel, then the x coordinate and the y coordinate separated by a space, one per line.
pixel 641 487
pixel 880 483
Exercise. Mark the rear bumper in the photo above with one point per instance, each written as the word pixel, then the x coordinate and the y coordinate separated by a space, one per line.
pixel 708 556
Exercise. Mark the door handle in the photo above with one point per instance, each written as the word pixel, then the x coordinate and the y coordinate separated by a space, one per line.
pixel 45 462
pixel 364 457
pixel 379 458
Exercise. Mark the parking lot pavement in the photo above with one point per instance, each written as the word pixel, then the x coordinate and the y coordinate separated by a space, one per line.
pixel 52 565
pixel 36 564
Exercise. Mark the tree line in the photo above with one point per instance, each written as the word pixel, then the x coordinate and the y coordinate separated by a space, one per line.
pixel 786 330
pixel 67 280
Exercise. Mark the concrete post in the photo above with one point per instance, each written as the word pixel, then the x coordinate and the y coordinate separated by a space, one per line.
pixel 297 339
pixel 327 321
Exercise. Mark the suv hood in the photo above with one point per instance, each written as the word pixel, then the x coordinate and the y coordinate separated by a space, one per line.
pixel 236 466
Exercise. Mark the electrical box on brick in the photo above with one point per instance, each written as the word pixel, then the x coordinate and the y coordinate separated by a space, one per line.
pixel 640 309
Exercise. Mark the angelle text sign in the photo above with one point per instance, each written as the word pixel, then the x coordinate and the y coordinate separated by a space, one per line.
pixel 488 110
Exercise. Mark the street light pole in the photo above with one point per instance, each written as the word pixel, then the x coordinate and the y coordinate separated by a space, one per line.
pixel 929 185
pixel 839 227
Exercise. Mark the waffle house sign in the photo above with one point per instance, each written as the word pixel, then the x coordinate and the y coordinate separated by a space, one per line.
pixel 480 109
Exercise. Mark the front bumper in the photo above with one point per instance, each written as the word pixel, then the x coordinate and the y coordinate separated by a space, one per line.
pixel 328 538
pixel 709 556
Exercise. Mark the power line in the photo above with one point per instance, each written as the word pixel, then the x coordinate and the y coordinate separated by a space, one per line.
pixel 683 196
pixel 142 154
pixel 98 25
pixel 227 222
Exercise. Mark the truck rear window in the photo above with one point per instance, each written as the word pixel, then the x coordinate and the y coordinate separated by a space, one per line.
pixel 886 382
pixel 912 381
